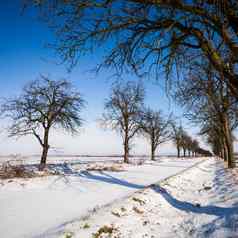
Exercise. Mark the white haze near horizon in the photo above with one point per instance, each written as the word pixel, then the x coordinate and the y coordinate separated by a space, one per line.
pixel 92 140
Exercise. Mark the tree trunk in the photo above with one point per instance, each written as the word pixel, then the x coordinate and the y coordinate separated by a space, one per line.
pixel 126 151
pixel 229 143
pixel 153 146
pixel 152 151
pixel 178 151
pixel 45 149
pixel 224 151
pixel 126 142
pixel 184 152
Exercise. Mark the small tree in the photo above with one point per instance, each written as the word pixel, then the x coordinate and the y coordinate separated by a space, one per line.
pixel 44 104
pixel 155 128
pixel 122 111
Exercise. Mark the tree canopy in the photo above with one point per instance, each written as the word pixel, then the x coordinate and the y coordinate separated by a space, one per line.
pixel 149 35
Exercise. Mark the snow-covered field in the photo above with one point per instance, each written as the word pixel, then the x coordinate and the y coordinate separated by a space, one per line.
pixel 201 202
pixel 43 206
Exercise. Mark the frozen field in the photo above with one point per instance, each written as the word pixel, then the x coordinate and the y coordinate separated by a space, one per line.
pixel 36 207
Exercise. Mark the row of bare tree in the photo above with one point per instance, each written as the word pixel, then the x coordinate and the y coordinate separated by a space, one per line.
pixel 195 43
pixel 46 104
pixel 211 105
pixel 125 112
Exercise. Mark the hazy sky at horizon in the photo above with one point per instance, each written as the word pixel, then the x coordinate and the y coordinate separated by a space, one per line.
pixel 24 56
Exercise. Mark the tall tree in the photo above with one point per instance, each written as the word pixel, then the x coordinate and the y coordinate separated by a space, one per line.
pixel 122 110
pixel 44 104
pixel 209 103
pixel 155 128
pixel 145 35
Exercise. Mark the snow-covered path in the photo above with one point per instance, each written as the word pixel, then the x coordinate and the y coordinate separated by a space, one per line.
pixel 34 207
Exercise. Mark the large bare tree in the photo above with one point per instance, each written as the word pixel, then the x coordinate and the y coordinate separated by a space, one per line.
pixel 155 128
pixel 122 110
pixel 146 35
pixel 44 104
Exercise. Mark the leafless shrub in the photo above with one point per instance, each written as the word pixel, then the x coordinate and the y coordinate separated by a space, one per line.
pixel 14 169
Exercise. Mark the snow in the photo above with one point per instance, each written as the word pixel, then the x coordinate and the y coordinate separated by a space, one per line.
pixel 200 202
pixel 37 207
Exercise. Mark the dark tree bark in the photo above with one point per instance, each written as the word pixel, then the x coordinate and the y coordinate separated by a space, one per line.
pixel 126 145
pixel 184 152
pixel 45 149
pixel 126 152
pixel 229 144
pixel 178 151
pixel 153 148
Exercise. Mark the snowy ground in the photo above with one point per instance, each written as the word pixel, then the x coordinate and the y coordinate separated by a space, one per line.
pixel 40 207
pixel 201 202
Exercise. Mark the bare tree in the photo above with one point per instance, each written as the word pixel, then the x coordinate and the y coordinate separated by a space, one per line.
pixel 122 111
pixel 155 128
pixel 44 104
pixel 147 34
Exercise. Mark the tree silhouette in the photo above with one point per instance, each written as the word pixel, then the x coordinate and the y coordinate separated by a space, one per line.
pixel 122 110
pixel 44 104
pixel 155 128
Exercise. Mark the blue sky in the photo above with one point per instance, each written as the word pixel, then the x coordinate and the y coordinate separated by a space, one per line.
pixel 24 56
